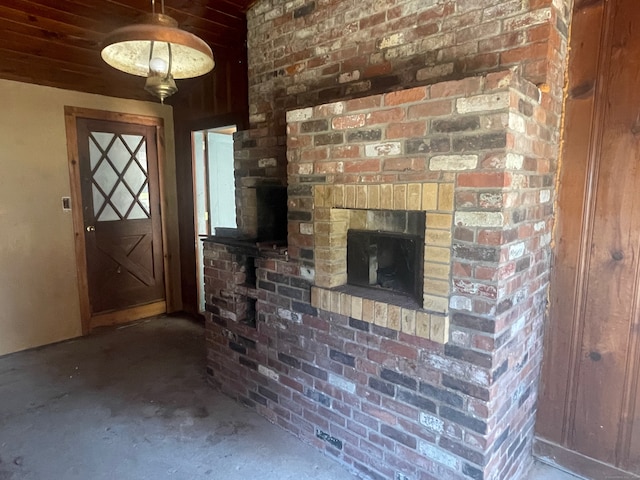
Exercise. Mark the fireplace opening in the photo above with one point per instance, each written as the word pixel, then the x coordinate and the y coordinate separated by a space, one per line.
pixel 387 262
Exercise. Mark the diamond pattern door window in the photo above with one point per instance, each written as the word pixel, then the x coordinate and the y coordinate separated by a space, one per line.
pixel 119 176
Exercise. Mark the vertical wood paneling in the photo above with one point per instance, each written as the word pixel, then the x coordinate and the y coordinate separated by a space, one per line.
pixel 587 25
pixel 605 363
pixel 590 379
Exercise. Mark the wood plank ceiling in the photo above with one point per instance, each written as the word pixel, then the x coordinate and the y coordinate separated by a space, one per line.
pixel 57 42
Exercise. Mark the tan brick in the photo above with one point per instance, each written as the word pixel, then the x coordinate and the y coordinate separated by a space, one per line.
pixel 345 304
pixel 338 196
pixel 429 196
pixel 380 314
pixel 356 308
pixel 361 196
pixel 350 196
pixel 435 303
pixel 368 310
pixel 340 214
pixel 319 194
pixel 394 317
pixel 400 197
pixel 446 197
pixel 438 237
pixel 335 302
pixel 414 196
pixel 439 220
pixel 316 297
pixel 408 321
pixel 386 196
pixel 436 287
pixel 439 328
pixel 423 325
pixel 437 254
pixel 358 219
pixel 436 270
pixel 373 194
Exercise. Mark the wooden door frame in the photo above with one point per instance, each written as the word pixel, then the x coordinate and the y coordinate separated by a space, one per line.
pixel 72 114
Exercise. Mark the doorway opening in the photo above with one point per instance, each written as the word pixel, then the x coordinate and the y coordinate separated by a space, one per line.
pixel 213 190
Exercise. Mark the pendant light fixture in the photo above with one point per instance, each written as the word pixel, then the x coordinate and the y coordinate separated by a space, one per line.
pixel 158 50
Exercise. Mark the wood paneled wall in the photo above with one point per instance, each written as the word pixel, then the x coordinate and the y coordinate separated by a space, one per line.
pixel 592 363
pixel 217 99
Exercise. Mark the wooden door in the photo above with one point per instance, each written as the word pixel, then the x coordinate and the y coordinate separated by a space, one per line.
pixel 589 408
pixel 120 219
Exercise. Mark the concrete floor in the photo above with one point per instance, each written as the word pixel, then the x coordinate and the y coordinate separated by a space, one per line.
pixel 132 404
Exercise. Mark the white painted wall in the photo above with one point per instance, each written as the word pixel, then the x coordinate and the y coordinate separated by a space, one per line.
pixel 39 300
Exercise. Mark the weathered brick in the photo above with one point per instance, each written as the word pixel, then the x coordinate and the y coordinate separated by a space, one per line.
pixel 382 387
pixel 398 378
pixel 398 436
pixel 342 358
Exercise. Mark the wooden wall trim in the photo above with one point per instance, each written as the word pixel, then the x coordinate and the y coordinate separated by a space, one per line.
pixel 564 459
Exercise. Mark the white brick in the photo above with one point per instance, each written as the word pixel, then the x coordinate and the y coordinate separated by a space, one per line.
pixel 383 149
pixel 342 383
pixel 306 228
pixel 289 315
pixel 453 162
pixel 545 196
pixel 517 123
pixel 516 251
pixel 307 273
pixel 432 423
pixel 540 226
pixel 458 302
pixel 299 115
pixel 391 41
pixel 267 162
pixel 438 455
pixel 514 161
pixel 479 219
pixel 349 77
pixel 267 372
pixel 479 103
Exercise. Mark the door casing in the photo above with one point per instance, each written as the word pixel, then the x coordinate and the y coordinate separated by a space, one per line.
pixel 88 320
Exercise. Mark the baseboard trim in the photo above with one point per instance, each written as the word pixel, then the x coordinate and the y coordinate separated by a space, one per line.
pixel 577 464
pixel 129 314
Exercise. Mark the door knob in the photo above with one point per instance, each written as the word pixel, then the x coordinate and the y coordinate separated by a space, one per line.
pixel 91 228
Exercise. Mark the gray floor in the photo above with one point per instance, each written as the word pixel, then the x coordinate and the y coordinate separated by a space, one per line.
pixel 132 403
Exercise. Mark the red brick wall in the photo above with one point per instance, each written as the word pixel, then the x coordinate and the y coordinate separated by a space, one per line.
pixel 388 404
pixel 304 53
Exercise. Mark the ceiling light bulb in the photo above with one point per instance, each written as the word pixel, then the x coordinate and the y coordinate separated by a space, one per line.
pixel 158 65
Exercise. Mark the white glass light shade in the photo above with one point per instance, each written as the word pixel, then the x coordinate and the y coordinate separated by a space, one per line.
pixel 128 48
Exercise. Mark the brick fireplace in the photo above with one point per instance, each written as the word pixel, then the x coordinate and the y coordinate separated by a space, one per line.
pixel 433 381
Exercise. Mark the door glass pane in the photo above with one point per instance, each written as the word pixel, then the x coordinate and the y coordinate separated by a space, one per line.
pixel 143 199
pixel 137 213
pixel 122 199
pixel 94 153
pixel 103 139
pixel 108 214
pixel 120 185
pixel 135 177
pixel 136 143
pixel 119 155
pixel 98 200
pixel 105 177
